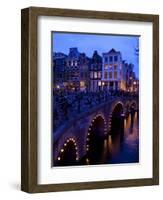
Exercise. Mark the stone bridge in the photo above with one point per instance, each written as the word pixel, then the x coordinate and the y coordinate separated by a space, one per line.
pixel 74 136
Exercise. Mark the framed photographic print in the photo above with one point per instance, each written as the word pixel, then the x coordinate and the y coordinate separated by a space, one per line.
pixel 90 99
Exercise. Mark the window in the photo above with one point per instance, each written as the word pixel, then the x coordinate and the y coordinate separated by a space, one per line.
pixel 105 75
pixel 91 75
pixel 115 75
pixel 105 66
pixel 95 75
pixel 110 75
pixel 99 67
pixel 76 63
pixel 111 84
pixel 115 67
pixel 111 58
pixel 73 62
pixel 99 75
pixel 106 59
pixel 115 58
pixel 82 84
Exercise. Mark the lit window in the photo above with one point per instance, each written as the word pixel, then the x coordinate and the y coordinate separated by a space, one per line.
pixel 105 75
pixel 105 66
pixel 115 75
pixel 95 74
pixel 99 75
pixel 99 83
pixel 76 63
pixel 82 83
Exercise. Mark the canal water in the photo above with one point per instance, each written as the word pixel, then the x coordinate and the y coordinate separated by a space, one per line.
pixel 123 147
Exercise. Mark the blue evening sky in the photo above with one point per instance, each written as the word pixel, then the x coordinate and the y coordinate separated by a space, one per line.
pixel 87 43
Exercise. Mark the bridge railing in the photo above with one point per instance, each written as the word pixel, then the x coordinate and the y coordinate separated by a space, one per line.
pixel 68 105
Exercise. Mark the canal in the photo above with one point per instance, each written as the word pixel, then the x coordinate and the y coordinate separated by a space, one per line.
pixel 122 146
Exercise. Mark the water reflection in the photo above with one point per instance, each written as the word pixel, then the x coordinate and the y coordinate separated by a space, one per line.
pixel 128 148
pixel 121 146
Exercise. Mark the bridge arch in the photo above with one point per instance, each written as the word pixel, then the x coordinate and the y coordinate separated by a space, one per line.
pixel 115 106
pixel 127 107
pixel 96 133
pixel 112 108
pixel 117 119
pixel 68 154
pixel 133 105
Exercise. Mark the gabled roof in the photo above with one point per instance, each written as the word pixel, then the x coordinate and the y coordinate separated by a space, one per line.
pixel 112 51
pixel 73 52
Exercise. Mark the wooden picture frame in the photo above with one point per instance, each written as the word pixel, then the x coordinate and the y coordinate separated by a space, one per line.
pixel 29 112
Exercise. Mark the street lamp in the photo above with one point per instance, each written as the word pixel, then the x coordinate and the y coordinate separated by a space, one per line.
pixel 58 86
pixel 99 85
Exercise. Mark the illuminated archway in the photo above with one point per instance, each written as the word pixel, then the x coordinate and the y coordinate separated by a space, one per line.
pixel 95 137
pixel 68 154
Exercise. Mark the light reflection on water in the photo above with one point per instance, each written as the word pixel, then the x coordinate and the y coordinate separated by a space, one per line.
pixel 120 149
